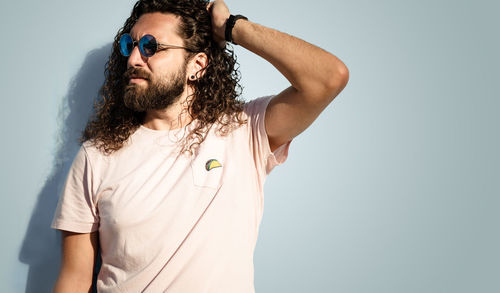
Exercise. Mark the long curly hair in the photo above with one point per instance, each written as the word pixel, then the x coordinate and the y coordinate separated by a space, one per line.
pixel 216 92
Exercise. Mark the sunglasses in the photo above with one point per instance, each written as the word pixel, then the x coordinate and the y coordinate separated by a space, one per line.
pixel 148 45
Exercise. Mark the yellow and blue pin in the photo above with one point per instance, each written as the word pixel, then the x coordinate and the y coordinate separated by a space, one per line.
pixel 211 164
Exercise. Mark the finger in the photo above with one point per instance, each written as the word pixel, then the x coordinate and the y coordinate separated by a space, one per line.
pixel 209 6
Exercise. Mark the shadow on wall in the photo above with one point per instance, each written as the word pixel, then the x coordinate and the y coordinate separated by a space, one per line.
pixel 41 248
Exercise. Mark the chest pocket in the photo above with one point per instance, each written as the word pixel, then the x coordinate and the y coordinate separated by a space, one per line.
pixel 209 164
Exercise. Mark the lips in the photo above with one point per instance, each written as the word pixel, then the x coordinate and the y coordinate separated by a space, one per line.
pixel 136 74
pixel 137 77
pixel 136 80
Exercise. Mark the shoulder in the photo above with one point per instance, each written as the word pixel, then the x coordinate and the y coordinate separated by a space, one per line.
pixel 246 116
pixel 256 106
pixel 91 149
pixel 93 154
pixel 252 113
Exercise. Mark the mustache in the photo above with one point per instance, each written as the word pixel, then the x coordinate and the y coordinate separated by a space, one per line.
pixel 136 73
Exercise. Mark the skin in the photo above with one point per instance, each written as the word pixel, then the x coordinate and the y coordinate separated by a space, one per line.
pixel 316 77
pixel 163 65
pixel 80 249
pixel 77 265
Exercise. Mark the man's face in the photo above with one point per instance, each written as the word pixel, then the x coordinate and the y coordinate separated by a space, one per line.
pixel 155 82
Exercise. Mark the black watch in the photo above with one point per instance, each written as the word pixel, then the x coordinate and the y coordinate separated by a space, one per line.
pixel 229 26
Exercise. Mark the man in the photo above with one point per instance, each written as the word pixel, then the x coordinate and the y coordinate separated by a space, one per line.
pixel 170 175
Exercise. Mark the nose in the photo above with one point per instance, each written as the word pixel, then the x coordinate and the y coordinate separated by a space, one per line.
pixel 136 59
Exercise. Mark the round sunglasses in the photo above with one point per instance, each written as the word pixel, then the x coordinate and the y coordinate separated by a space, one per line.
pixel 148 45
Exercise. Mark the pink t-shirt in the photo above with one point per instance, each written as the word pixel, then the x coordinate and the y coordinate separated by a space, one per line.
pixel 170 222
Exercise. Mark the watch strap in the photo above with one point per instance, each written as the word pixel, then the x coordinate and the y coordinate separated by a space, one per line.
pixel 231 21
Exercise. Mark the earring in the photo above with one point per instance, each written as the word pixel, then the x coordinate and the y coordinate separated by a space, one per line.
pixel 192 77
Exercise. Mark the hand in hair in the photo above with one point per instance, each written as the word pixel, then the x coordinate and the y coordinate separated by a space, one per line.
pixel 219 13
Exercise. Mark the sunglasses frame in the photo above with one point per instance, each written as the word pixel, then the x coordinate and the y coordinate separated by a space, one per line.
pixel 159 46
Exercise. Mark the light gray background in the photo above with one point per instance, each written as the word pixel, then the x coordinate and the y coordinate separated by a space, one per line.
pixel 394 188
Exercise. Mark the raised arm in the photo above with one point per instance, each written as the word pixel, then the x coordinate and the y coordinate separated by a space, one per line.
pixel 316 76
pixel 77 265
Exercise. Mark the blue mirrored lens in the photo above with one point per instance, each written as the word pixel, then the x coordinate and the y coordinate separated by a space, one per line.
pixel 148 45
pixel 126 45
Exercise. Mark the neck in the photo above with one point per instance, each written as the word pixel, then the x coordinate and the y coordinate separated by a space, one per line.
pixel 174 116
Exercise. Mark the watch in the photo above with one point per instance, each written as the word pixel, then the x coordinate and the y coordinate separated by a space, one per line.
pixel 229 26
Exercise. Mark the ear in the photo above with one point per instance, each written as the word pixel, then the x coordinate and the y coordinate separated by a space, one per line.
pixel 197 64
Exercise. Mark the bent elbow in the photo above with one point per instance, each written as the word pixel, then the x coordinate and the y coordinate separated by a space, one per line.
pixel 338 79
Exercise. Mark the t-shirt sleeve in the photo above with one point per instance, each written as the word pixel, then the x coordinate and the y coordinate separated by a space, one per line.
pixel 265 160
pixel 76 210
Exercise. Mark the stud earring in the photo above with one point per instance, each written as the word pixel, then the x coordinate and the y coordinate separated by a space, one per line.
pixel 192 77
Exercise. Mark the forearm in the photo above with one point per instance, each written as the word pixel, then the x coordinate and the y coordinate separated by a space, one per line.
pixel 72 283
pixel 308 68
pixel 77 263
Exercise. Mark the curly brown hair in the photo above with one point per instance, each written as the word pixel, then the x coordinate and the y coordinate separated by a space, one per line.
pixel 215 95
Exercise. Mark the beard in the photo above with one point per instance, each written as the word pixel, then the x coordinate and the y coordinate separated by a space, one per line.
pixel 157 94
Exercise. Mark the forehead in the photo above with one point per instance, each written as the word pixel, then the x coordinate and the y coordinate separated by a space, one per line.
pixel 163 26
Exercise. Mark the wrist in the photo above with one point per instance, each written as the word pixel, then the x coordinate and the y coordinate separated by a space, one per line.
pixel 230 22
